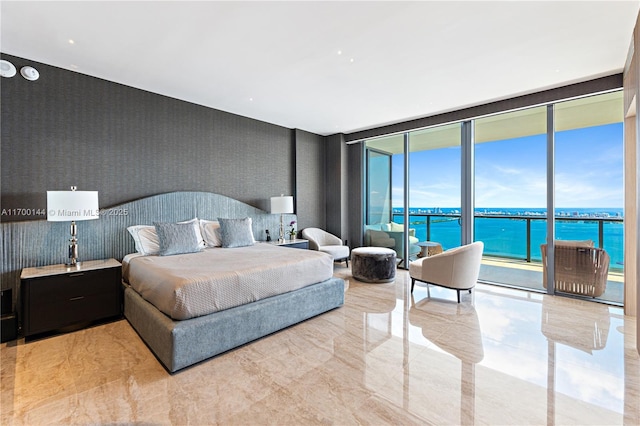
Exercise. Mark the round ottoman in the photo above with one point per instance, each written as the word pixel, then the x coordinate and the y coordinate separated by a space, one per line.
pixel 373 264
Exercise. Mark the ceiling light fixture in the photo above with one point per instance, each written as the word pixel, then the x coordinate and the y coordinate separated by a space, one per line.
pixel 29 73
pixel 7 69
pixel 71 41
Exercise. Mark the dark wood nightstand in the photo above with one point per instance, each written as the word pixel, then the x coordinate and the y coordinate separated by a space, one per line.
pixel 297 243
pixel 56 297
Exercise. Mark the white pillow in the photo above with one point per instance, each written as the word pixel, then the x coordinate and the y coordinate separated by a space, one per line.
pixel 210 230
pixel 147 241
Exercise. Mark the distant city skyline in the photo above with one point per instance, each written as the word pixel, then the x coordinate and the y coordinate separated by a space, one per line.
pixel 512 173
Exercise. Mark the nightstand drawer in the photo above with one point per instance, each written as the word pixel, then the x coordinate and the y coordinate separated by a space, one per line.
pixel 56 298
pixel 62 287
pixel 64 312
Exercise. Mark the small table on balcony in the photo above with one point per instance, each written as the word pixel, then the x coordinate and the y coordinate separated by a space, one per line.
pixel 429 248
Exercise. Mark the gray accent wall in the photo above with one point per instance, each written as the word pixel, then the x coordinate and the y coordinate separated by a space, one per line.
pixel 310 180
pixel 337 187
pixel 68 128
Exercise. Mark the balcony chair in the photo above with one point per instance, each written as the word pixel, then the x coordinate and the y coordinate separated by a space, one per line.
pixel 390 235
pixel 328 243
pixel 580 268
pixel 457 268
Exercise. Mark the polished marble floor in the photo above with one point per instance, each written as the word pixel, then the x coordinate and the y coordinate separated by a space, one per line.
pixel 500 357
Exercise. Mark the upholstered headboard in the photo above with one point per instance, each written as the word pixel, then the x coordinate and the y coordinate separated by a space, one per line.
pixel 38 243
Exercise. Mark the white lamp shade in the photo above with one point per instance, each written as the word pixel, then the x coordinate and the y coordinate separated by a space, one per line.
pixel 65 206
pixel 282 204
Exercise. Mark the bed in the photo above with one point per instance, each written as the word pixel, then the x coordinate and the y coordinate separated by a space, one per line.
pixel 190 306
pixel 186 339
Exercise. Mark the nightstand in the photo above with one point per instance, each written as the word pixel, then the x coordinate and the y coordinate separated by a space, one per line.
pixel 297 243
pixel 58 296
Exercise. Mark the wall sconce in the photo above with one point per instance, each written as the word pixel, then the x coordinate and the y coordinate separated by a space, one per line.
pixel 64 206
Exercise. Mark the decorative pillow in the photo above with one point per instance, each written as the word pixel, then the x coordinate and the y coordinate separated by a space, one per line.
pixel 236 232
pixel 396 227
pixel 178 238
pixel 211 232
pixel 196 226
pixel 145 238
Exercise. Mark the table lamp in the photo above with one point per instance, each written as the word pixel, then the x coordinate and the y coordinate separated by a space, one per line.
pixel 282 205
pixel 64 206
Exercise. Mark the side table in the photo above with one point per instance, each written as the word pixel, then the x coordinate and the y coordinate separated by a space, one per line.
pixel 59 296
pixel 429 248
pixel 298 243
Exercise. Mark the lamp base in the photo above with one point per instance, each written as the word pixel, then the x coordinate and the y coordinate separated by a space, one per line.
pixel 73 247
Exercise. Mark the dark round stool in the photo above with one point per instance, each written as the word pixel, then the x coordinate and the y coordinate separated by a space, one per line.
pixel 373 264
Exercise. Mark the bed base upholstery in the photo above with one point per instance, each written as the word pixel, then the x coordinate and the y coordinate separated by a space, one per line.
pixel 180 344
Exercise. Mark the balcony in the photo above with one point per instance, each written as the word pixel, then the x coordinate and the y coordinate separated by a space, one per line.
pixel 512 244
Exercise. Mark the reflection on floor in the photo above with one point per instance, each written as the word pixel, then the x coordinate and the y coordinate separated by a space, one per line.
pixel 529 275
pixel 500 357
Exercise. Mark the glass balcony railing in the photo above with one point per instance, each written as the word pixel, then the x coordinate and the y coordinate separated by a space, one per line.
pixel 519 237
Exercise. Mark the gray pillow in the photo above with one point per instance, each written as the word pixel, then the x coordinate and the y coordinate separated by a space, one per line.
pixel 236 232
pixel 177 238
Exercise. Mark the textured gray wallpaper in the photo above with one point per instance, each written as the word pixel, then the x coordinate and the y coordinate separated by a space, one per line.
pixel 71 129
pixel 310 180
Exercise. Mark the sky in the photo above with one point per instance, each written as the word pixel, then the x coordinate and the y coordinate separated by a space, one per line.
pixel 512 173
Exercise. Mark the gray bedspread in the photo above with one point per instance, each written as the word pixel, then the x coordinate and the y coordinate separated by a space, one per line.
pixel 191 285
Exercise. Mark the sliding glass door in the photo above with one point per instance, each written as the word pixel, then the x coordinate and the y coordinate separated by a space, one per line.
pixel 384 219
pixel 378 209
pixel 589 197
pixel 510 195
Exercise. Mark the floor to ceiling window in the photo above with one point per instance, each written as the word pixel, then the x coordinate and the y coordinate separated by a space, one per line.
pixel 511 196
pixel 417 179
pixel 589 196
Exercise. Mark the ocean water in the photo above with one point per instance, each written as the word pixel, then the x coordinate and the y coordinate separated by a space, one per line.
pixel 508 237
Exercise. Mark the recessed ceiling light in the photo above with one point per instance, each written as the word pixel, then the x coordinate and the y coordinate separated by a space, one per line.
pixel 351 60
pixel 339 52
pixel 7 69
pixel 251 99
pixel 71 41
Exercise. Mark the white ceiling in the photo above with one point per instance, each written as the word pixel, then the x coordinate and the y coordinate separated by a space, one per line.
pixel 279 61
